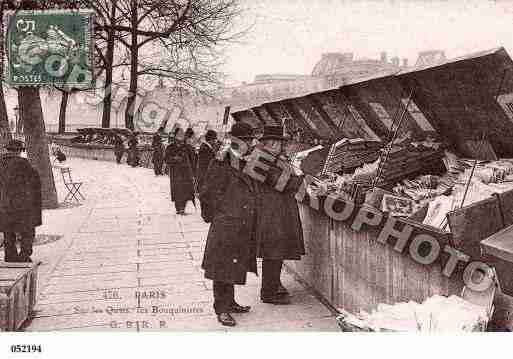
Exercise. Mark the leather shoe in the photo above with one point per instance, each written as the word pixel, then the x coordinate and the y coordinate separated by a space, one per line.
pixel 282 290
pixel 226 319
pixel 237 308
pixel 277 300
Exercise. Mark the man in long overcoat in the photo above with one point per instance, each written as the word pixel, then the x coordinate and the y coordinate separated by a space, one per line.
pixel 207 152
pixel 119 148
pixel 229 203
pixel 279 231
pixel 180 159
pixel 133 151
pixel 20 203
pixel 158 152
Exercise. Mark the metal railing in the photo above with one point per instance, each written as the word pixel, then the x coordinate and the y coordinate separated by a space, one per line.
pixel 72 127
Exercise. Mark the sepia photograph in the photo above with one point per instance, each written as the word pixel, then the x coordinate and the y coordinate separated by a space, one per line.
pixel 237 166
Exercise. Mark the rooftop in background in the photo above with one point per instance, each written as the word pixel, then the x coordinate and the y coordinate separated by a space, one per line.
pixel 429 58
pixel 269 78
pixel 438 61
pixel 345 65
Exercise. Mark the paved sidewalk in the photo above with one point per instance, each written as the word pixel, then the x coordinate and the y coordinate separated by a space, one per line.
pixel 127 262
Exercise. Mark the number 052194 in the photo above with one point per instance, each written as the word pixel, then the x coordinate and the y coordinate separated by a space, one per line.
pixel 26 348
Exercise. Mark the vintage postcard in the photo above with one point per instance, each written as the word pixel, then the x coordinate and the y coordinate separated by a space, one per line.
pixel 256 166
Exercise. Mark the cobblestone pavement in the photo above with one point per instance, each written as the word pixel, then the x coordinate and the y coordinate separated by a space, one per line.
pixel 127 262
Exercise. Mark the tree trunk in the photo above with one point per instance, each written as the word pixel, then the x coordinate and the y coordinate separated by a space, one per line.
pixel 5 130
pixel 62 112
pixel 134 58
pixel 31 114
pixel 107 100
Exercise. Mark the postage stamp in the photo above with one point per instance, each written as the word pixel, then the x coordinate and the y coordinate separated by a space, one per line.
pixel 49 48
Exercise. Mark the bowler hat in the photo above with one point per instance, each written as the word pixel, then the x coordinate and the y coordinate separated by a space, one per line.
pixel 242 130
pixel 15 146
pixel 210 135
pixel 189 133
pixel 273 133
pixel 177 131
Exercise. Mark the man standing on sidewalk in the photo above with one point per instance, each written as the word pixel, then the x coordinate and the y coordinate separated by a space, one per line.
pixel 180 159
pixel 20 202
pixel 207 152
pixel 228 201
pixel 119 148
pixel 279 230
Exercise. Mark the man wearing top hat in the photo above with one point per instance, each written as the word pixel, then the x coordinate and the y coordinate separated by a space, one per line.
pixel 20 202
pixel 229 200
pixel 278 228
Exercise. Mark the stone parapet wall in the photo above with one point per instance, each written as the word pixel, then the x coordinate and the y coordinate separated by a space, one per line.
pixel 103 153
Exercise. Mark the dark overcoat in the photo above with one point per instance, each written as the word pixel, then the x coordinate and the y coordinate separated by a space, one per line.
pixel 133 156
pixel 180 159
pixel 20 195
pixel 279 231
pixel 229 202
pixel 206 154
pixel 119 147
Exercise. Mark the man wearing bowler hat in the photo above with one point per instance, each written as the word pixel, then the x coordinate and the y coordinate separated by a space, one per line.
pixel 278 229
pixel 20 202
pixel 229 202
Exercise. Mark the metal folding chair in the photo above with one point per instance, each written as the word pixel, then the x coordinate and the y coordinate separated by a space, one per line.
pixel 72 187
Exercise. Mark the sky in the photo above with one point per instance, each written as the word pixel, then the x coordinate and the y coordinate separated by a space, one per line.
pixel 289 36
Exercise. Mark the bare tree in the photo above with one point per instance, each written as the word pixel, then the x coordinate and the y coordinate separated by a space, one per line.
pixel 31 114
pixel 104 51
pixel 101 66
pixel 108 60
pixel 176 39
pixel 106 36
pixel 192 56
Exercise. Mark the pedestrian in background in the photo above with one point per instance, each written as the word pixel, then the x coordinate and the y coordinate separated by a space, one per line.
pixel 229 202
pixel 190 139
pixel 180 160
pixel 158 152
pixel 133 151
pixel 207 152
pixel 279 231
pixel 119 148
pixel 20 203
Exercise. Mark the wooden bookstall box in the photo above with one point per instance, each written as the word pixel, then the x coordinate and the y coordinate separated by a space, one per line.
pixel 353 271
pixel 18 286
